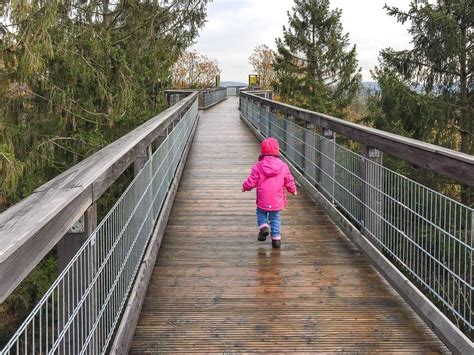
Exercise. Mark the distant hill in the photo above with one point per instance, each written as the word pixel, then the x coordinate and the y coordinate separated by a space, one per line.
pixel 232 83
pixel 369 85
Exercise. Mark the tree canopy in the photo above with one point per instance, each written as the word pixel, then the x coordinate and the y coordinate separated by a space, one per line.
pixel 194 70
pixel 314 66
pixel 262 60
pixel 426 91
pixel 75 75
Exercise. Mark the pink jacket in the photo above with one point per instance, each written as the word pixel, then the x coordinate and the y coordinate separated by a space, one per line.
pixel 270 176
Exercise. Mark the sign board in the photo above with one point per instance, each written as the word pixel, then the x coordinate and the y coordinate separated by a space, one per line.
pixel 254 80
pixel 218 81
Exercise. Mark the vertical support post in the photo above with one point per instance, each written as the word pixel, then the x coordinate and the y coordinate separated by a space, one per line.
pixel 289 139
pixel 328 166
pixel 70 244
pixel 160 139
pixel 141 160
pixel 372 196
pixel 267 121
pixel 271 130
pixel 260 116
pixel 309 153
pixel 66 299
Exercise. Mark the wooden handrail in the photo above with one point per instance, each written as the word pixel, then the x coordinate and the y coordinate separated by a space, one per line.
pixel 456 165
pixel 32 227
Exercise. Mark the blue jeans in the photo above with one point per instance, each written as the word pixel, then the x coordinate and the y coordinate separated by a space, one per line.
pixel 263 217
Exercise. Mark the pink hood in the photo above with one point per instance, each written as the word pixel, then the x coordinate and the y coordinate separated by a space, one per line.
pixel 270 176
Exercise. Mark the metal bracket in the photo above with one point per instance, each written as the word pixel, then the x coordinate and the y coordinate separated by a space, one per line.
pixel 327 133
pixel 79 226
pixel 374 153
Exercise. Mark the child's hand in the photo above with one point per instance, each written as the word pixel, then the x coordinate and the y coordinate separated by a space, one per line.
pixel 243 189
pixel 295 193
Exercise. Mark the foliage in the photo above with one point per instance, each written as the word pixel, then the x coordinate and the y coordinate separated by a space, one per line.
pixel 194 70
pixel 78 74
pixel 314 67
pixel 426 92
pixel 262 60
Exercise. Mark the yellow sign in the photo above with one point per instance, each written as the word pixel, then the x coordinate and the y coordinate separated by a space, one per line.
pixel 254 80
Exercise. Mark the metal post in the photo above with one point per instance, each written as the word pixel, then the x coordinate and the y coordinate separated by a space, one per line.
pixel 372 196
pixel 328 166
pixel 309 149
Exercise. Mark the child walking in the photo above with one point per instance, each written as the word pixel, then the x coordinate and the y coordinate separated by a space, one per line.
pixel 271 177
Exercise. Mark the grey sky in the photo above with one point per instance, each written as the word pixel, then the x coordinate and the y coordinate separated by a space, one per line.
pixel 235 27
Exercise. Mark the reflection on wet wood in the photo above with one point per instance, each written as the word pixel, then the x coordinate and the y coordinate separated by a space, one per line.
pixel 215 288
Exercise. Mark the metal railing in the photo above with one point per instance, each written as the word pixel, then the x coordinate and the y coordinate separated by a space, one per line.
pixel 427 235
pixel 208 98
pixel 234 90
pixel 80 311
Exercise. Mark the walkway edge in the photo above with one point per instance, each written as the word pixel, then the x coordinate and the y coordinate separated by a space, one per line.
pixel 454 339
pixel 126 329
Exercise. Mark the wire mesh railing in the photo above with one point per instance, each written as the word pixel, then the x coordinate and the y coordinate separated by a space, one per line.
pixel 211 97
pixel 231 91
pixel 80 311
pixel 425 234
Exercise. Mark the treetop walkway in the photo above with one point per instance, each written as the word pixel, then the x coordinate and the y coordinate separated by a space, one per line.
pixel 370 261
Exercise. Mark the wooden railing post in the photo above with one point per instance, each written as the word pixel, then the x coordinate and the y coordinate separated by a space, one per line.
pixel 267 120
pixel 141 160
pixel 67 248
pixel 260 116
pixel 309 149
pixel 372 191
pixel 70 244
pixel 271 130
pixel 328 166
pixel 289 137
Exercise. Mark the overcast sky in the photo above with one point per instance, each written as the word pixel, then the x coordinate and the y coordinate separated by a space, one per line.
pixel 235 27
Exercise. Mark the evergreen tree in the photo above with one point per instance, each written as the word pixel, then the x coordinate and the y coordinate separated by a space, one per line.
pixel 75 75
pixel 426 92
pixel 314 67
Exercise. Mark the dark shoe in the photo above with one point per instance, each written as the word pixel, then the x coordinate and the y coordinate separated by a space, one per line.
pixel 276 243
pixel 263 234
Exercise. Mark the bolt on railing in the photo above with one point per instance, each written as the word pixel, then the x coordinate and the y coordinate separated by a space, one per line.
pixel 80 311
pixel 426 234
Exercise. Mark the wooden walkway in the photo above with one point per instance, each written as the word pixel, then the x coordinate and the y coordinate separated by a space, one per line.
pixel 216 289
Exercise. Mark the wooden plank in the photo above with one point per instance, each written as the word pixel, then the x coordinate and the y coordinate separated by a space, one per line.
pixel 456 165
pixel 31 228
pixel 214 288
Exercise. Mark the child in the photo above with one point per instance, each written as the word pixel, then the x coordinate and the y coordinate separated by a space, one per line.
pixel 270 176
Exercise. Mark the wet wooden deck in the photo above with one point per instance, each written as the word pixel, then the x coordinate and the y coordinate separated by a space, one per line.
pixel 216 289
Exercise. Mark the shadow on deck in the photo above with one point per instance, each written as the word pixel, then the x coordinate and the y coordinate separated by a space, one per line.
pixel 215 288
